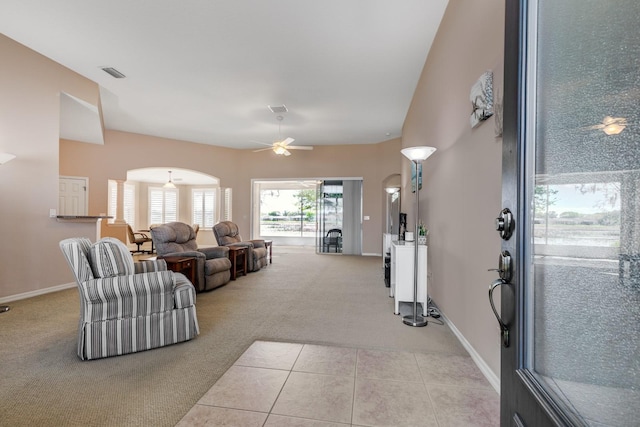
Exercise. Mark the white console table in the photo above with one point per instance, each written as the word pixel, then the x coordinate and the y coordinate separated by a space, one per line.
pixel 401 289
pixel 387 238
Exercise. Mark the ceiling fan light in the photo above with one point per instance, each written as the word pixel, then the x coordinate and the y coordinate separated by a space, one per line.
pixel 613 128
pixel 169 184
pixel 279 150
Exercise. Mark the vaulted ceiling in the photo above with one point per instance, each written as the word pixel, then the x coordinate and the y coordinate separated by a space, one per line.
pixel 206 71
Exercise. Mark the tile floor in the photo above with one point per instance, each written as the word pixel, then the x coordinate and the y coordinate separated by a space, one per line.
pixel 287 385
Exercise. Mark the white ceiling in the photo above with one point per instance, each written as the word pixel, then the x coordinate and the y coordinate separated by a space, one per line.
pixel 205 71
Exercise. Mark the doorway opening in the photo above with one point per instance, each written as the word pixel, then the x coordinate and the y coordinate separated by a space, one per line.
pixel 302 212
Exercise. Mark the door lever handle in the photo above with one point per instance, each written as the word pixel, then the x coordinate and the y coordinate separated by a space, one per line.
pixel 504 330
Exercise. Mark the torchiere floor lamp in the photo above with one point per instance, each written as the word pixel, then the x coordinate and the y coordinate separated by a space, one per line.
pixel 417 155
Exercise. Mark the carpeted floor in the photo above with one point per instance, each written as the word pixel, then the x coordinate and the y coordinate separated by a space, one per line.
pixel 301 297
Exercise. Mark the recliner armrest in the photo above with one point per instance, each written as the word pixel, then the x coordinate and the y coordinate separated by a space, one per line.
pixel 195 254
pixel 241 244
pixel 215 252
pixel 257 243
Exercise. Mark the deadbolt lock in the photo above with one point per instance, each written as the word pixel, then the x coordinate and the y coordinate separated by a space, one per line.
pixel 505 224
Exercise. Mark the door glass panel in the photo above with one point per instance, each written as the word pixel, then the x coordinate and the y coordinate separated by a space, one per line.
pixel 583 270
pixel 330 217
pixel 285 211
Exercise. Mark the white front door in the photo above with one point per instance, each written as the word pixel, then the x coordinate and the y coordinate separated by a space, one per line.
pixel 72 196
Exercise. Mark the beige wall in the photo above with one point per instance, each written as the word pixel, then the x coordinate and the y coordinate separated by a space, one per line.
pixel 462 180
pixel 30 87
pixel 30 84
pixel 236 168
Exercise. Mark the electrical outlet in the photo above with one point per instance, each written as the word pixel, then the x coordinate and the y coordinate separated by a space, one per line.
pixel 366 218
pixel 52 213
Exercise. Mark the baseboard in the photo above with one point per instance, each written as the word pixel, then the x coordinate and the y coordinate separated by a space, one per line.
pixel 493 379
pixel 38 292
pixel 370 254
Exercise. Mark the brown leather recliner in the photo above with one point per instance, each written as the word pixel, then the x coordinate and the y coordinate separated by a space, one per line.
pixel 227 234
pixel 213 267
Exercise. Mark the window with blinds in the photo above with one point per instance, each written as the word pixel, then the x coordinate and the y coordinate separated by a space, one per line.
pixel 128 203
pixel 204 207
pixel 163 205
pixel 226 211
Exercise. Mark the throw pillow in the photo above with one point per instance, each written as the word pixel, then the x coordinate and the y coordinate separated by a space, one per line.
pixel 109 257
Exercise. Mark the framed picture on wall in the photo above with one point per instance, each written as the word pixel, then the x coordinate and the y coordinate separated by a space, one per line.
pixel 413 177
pixel 481 97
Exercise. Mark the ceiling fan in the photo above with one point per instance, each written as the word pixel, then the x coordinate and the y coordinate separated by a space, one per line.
pixel 611 125
pixel 282 146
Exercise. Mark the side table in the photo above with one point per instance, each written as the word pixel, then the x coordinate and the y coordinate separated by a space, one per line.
pixel 238 258
pixel 269 245
pixel 183 264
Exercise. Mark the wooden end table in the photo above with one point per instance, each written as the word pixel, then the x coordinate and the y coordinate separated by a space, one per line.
pixel 238 258
pixel 269 245
pixel 183 264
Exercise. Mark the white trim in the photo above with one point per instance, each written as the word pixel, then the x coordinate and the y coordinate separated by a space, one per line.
pixel 493 379
pixel 371 254
pixel 37 292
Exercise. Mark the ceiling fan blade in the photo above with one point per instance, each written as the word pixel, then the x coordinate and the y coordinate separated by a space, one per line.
pixel 262 143
pixel 299 147
pixel 287 142
pixel 262 149
pixel 286 153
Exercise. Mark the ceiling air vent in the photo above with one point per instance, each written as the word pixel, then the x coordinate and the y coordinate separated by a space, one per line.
pixel 278 108
pixel 113 72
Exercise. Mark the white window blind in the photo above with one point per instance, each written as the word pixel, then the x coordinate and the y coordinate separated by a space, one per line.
pixel 128 203
pixel 163 205
pixel 204 207
pixel 113 200
pixel 226 212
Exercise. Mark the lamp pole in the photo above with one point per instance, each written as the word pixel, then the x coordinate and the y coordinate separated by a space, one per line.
pixel 417 155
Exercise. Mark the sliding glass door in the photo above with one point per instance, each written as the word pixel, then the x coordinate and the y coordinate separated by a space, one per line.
pixel 285 211
pixel 339 208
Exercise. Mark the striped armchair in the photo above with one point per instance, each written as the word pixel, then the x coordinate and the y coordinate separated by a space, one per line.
pixel 127 307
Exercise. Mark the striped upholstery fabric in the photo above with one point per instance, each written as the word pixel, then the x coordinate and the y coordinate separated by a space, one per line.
pixel 146 266
pixel 110 257
pixel 123 314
